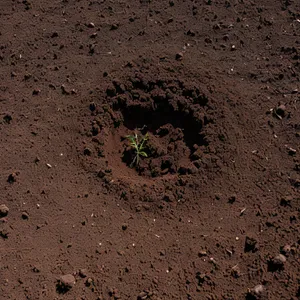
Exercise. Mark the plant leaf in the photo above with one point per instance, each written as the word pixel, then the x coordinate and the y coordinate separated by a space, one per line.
pixel 143 153
pixel 138 146
pixel 132 141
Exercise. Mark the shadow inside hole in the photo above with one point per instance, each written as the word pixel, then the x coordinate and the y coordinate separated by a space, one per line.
pixel 128 157
pixel 151 119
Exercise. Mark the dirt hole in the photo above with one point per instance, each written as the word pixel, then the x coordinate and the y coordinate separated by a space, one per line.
pixel 172 113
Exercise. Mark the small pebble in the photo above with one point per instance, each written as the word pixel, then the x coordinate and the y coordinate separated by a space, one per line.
pixel 114 27
pixel 35 270
pixel 27 76
pixel 65 90
pixel 179 56
pixel 277 263
pixel 25 215
pixel 258 289
pixel 65 283
pixel 235 272
pixel 54 34
pixel 286 249
pixel 36 91
pixel 83 273
pixel 3 210
pixel 202 253
pixel 191 33
pixel 92 106
pixel 292 151
pixel 89 282
pixel 280 110
pixel 143 295
pixel 87 151
pixel 279 260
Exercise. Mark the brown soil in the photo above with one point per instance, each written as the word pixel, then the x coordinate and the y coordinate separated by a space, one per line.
pixel 212 212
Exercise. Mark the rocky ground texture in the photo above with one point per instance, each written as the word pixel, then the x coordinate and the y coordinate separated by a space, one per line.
pixel 212 212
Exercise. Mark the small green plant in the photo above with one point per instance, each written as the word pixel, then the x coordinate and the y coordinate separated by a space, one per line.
pixel 137 143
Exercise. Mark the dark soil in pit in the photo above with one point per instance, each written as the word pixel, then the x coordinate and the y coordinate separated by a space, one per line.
pixel 171 115
pixel 212 212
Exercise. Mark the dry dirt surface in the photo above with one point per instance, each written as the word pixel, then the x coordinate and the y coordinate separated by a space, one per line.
pixel 211 210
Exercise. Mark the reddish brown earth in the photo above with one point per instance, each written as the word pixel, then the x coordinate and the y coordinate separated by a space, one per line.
pixel 215 84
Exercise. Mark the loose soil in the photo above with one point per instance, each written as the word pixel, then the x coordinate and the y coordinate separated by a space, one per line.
pixel 212 212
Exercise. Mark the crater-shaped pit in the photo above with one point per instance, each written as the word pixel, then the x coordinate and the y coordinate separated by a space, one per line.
pixel 170 112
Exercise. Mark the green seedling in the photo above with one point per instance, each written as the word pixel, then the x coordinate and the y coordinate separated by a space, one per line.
pixel 137 143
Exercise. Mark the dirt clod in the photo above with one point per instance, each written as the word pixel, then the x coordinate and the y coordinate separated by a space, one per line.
pixel 87 151
pixel 4 233
pixel 12 177
pixel 250 244
pixel 286 201
pixel 36 91
pixel 54 34
pixel 232 199
pixel 235 271
pixel 7 118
